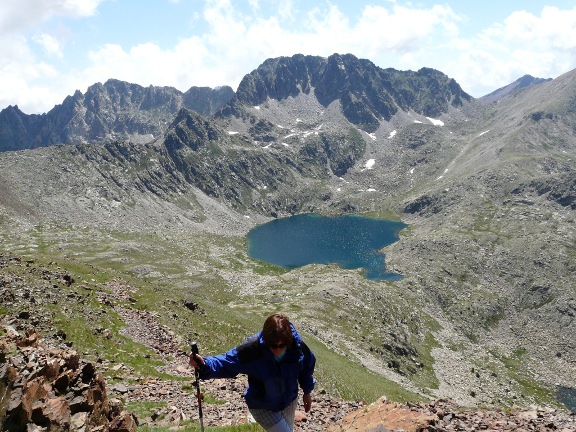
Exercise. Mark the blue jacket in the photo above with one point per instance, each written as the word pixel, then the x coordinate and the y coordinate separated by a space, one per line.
pixel 272 384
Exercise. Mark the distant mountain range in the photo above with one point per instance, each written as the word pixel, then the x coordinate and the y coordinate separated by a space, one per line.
pixel 118 110
pixel 115 110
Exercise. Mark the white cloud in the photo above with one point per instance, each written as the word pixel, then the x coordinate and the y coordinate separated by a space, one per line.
pixel 26 80
pixel 18 14
pixel 404 29
pixel 286 10
pixel 540 45
pixel 50 44
pixel 148 64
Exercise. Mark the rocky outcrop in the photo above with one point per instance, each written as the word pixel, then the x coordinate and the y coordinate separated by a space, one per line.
pixel 229 168
pixel 561 189
pixel 444 416
pixel 207 100
pixel 53 389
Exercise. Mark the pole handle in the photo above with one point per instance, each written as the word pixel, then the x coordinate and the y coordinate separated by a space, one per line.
pixel 199 396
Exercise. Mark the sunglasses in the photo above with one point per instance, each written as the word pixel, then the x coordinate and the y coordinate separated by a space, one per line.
pixel 277 346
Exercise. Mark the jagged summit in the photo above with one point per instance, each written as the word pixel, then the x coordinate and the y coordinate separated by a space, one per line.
pixel 367 94
pixel 115 110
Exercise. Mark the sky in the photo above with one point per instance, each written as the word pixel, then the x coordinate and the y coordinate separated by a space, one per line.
pixel 51 48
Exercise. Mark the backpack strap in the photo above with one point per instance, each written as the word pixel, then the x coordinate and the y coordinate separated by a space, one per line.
pixel 249 350
pixel 305 349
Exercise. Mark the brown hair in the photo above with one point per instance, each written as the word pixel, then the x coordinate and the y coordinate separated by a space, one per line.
pixel 277 328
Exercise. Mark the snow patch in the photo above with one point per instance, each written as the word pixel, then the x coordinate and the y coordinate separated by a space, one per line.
pixel 417 121
pixel 233 132
pixel 442 176
pixel 392 134
pixel 485 132
pixel 435 122
pixel 257 107
pixel 370 190
pixel 369 164
pixel 373 136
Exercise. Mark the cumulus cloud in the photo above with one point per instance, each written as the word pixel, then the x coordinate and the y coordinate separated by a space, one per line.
pixel 26 80
pixel 50 44
pixel 20 14
pixel 402 29
pixel 540 45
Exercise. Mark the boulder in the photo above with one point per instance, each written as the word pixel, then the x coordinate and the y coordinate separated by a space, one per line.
pixel 125 422
pixel 54 389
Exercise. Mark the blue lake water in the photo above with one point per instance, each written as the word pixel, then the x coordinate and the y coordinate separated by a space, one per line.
pixel 568 397
pixel 350 241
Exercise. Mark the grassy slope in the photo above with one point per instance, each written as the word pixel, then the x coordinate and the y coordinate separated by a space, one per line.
pixel 165 273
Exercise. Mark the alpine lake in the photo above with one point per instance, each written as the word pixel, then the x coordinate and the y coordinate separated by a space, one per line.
pixel 351 241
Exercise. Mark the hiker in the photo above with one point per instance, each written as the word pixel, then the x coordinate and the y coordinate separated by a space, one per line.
pixel 276 360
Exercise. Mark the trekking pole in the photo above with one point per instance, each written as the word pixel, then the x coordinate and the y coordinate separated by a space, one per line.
pixel 194 347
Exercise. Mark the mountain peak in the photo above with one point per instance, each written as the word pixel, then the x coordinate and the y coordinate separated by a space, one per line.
pixel 367 94
pixel 521 83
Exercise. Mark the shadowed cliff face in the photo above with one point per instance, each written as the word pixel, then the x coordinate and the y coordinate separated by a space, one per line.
pixel 233 168
pixel 367 93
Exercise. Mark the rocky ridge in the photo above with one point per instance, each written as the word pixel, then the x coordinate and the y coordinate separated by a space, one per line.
pixel 519 84
pixel 366 93
pixel 115 110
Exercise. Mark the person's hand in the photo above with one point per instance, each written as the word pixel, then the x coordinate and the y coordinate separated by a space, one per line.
pixel 307 399
pixel 196 361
